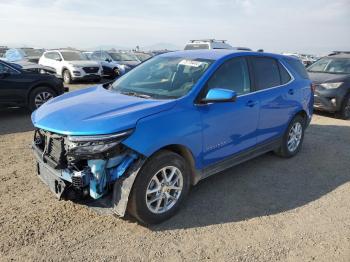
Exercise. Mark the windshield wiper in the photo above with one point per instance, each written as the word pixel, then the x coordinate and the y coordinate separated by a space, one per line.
pixel 135 94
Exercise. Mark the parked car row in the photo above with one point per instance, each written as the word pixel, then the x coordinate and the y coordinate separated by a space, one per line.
pixel 73 65
pixel 330 74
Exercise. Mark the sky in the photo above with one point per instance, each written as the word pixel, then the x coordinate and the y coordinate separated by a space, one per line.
pixel 309 26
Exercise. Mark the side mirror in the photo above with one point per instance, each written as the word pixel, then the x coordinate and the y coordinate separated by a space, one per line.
pixel 218 95
pixel 58 59
pixel 4 75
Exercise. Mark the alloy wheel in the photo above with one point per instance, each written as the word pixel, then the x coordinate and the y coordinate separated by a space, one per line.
pixel 164 189
pixel 42 98
pixel 294 136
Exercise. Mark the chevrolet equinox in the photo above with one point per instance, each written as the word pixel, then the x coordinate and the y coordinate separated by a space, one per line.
pixel 138 145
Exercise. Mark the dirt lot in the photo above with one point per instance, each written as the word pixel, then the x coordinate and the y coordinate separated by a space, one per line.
pixel 268 209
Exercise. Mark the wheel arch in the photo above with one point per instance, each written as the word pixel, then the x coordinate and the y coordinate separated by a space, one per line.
pixel 37 85
pixel 187 155
pixel 301 113
pixel 63 69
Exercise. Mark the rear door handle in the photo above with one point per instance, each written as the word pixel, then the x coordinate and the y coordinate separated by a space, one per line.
pixel 291 91
pixel 251 103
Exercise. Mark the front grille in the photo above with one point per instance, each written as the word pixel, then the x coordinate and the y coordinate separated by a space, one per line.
pixel 90 70
pixel 52 147
pixel 55 149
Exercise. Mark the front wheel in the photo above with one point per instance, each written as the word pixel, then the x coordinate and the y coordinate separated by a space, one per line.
pixel 293 138
pixel 67 78
pixel 344 112
pixel 160 188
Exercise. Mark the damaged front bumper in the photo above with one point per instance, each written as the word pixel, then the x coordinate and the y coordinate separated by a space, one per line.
pixel 102 181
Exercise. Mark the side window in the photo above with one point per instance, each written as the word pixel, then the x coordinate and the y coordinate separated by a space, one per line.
pixel 266 72
pixel 56 56
pixel 285 77
pixel 233 75
pixel 48 55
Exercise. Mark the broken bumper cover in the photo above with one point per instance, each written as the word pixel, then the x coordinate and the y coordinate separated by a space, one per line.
pixel 115 201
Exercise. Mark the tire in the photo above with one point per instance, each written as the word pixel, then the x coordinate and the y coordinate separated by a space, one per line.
pixel 344 112
pixel 67 78
pixel 39 96
pixel 286 149
pixel 142 205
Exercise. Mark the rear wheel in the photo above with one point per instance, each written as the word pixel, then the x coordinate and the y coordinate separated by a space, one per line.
pixel 160 188
pixel 39 96
pixel 293 138
pixel 344 112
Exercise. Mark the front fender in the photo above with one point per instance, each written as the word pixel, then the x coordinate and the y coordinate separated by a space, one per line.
pixel 181 125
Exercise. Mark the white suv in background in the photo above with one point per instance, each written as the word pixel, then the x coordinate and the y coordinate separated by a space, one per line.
pixel 71 65
pixel 207 44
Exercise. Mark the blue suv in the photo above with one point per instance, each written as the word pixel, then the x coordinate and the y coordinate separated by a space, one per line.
pixel 138 144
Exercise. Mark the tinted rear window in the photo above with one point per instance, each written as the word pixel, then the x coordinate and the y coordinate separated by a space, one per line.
pixel 266 72
pixel 298 67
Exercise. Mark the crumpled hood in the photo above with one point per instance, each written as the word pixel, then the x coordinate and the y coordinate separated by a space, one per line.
pixel 84 63
pixel 95 111
pixel 319 78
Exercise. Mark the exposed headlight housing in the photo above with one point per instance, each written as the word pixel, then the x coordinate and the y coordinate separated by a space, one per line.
pixel 89 145
pixel 331 85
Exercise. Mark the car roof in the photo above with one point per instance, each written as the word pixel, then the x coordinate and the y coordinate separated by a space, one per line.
pixel 214 54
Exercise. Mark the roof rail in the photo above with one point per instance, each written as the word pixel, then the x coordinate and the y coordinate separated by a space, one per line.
pixel 208 40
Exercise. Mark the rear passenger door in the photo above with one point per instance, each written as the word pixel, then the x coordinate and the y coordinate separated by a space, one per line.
pixel 278 99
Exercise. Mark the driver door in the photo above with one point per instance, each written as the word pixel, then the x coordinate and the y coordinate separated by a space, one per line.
pixel 229 127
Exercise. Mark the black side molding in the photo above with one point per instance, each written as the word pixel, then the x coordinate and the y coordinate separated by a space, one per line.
pixel 241 157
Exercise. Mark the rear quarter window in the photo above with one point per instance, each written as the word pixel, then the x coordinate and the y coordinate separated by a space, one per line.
pixel 298 67
pixel 285 76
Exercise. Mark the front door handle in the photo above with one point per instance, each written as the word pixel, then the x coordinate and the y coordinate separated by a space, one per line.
pixel 251 103
pixel 291 91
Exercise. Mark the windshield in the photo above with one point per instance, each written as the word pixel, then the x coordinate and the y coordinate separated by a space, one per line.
pixel 73 56
pixel 196 46
pixel 32 52
pixel 162 77
pixel 331 65
pixel 123 57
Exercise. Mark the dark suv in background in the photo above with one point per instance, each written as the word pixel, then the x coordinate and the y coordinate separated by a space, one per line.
pixel 331 77
pixel 19 87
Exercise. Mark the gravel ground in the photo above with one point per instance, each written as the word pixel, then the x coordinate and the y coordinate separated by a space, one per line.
pixel 267 209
